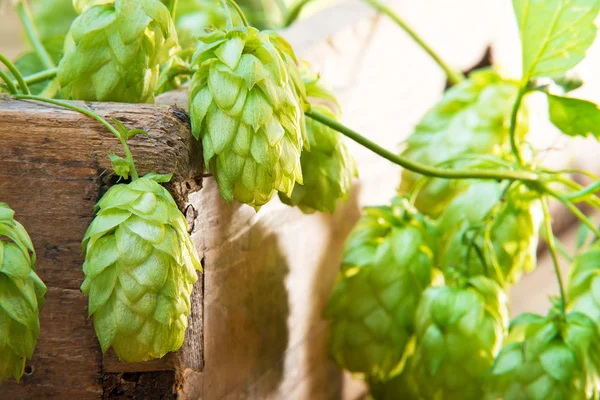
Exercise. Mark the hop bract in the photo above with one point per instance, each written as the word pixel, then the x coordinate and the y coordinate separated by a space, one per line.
pixel 487 231
pixel 387 265
pixel 473 119
pixel 459 331
pixel 583 290
pixel 548 358
pixel 402 386
pixel 328 168
pixel 21 296
pixel 246 103
pixel 139 269
pixel 113 51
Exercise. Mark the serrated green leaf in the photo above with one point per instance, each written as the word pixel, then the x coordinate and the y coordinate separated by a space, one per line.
pixel 120 165
pixel 555 34
pixel 574 117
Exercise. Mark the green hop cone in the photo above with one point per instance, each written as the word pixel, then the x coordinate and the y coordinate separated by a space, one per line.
pixel 194 16
pixel 139 268
pixel 547 358
pixel 583 289
pixel 328 168
pixel 485 231
pixel 246 103
pixel 372 306
pixel 21 296
pixel 473 119
pixel 113 51
pixel 402 386
pixel 459 331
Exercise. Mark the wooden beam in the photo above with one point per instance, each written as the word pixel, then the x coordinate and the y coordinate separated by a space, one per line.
pixel 53 169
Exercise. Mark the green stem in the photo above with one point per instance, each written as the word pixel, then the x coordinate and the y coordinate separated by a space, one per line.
pixel 514 145
pixel 524 176
pixel 574 210
pixel 9 83
pixel 577 196
pixel 41 76
pixel 553 254
pixel 89 113
pixel 32 33
pixel 294 12
pixel 239 12
pixel 228 21
pixel 173 8
pixel 13 70
pixel 453 76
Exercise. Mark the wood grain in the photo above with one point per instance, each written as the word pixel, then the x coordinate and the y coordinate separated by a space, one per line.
pixel 53 168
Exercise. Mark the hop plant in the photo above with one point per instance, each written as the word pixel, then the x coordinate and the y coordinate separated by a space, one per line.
pixel 194 16
pixel 328 168
pixel 21 296
pixel 471 122
pixel 491 231
pixel 139 270
pixel 246 103
pixel 583 288
pixel 401 386
pixel 547 358
pixel 459 330
pixel 373 304
pixel 113 51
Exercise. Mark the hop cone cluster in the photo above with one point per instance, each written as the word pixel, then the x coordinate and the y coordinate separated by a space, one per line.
pixel 113 51
pixel 583 290
pixel 387 265
pixel 21 296
pixel 548 358
pixel 487 231
pixel 139 269
pixel 328 168
pixel 472 119
pixel 246 103
pixel 459 331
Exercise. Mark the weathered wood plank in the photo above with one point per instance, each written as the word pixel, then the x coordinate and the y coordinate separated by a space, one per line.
pixel 53 168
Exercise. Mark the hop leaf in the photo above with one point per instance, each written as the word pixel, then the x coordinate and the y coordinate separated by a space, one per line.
pixel 547 358
pixel 459 331
pixel 21 296
pixel 387 265
pixel 328 168
pixel 470 124
pixel 483 232
pixel 113 51
pixel 246 103
pixel 139 270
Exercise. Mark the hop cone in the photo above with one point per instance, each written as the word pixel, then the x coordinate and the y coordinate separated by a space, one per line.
pixel 547 359
pixel 510 221
pixel 459 330
pixel 403 386
pixel 113 51
pixel 246 103
pixel 583 290
pixel 21 296
pixel 373 304
pixel 328 168
pixel 139 270
pixel 472 119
